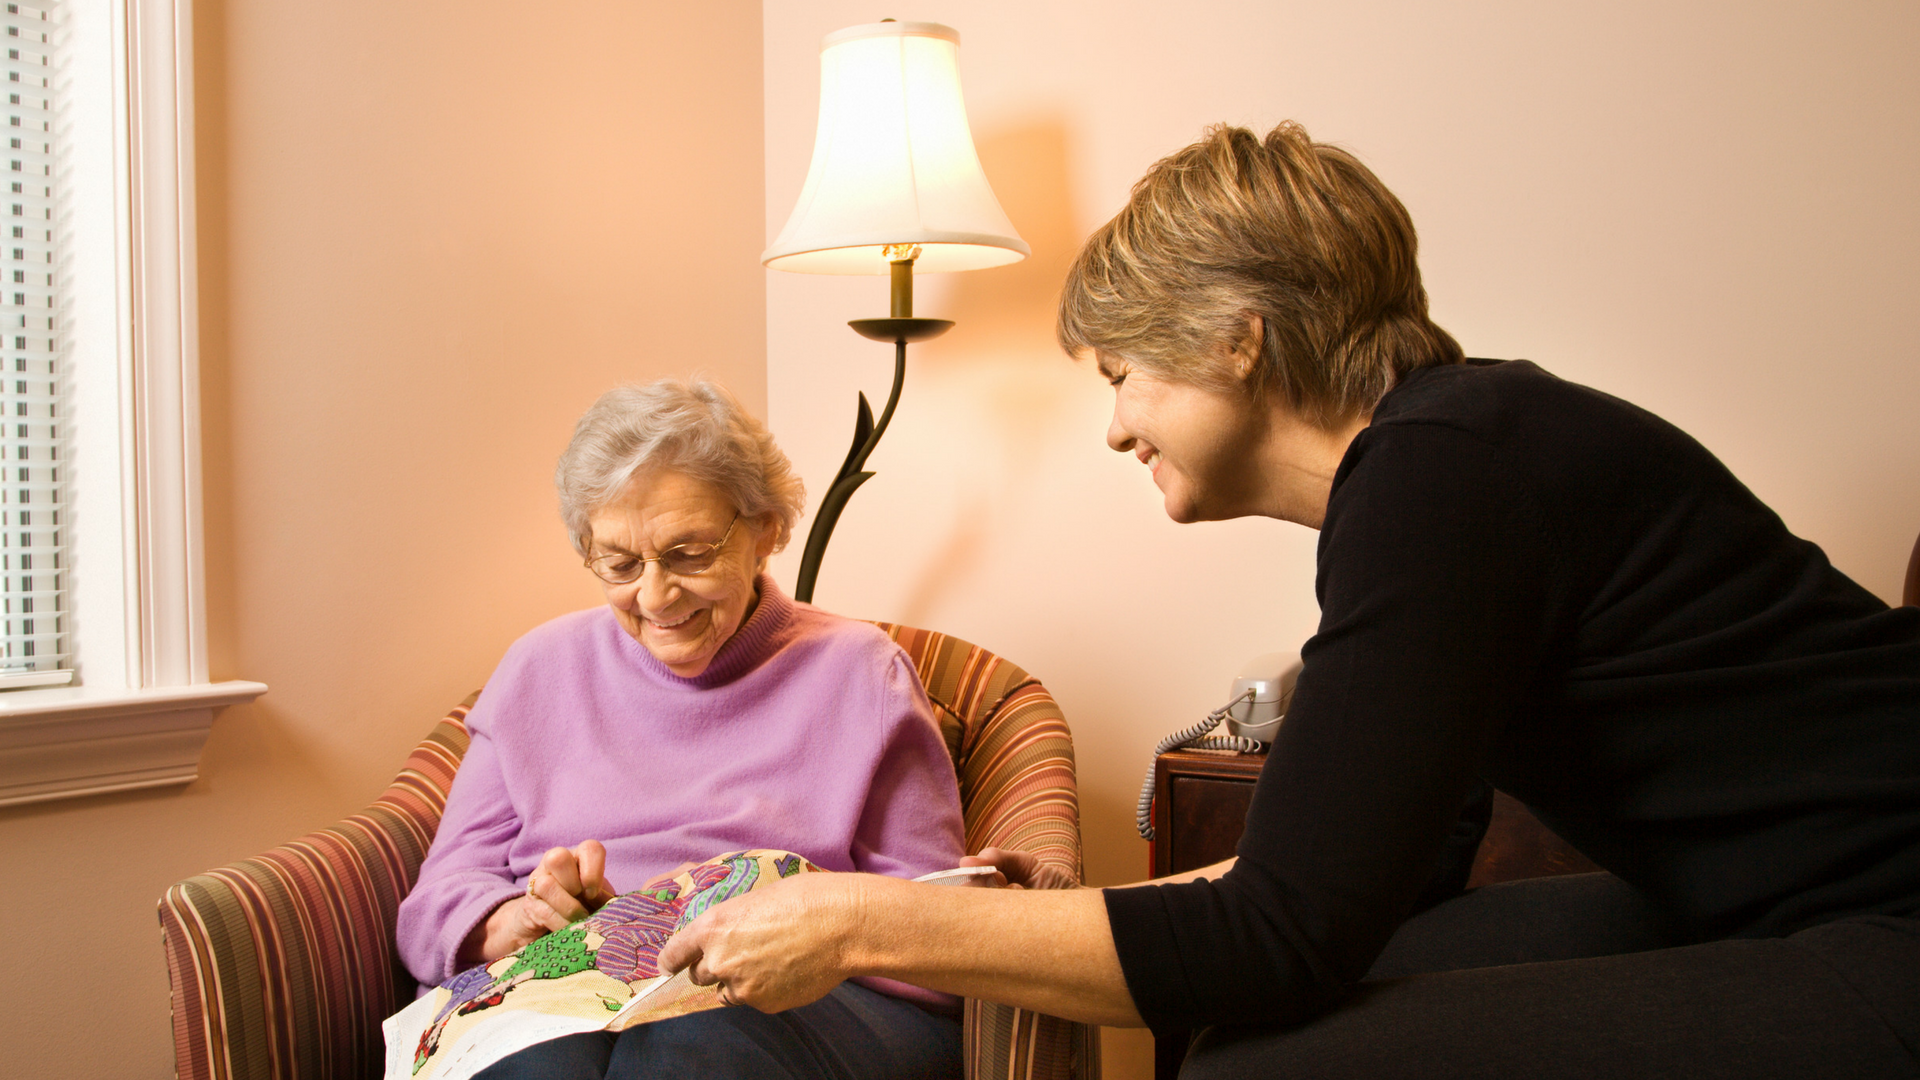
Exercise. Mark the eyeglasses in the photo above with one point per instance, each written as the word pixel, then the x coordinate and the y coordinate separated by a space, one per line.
pixel 680 560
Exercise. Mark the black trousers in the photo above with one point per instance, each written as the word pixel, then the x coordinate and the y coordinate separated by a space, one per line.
pixel 1578 977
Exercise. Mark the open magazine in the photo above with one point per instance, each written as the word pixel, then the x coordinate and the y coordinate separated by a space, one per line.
pixel 599 974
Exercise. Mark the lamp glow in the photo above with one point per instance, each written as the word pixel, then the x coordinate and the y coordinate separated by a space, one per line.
pixel 893 162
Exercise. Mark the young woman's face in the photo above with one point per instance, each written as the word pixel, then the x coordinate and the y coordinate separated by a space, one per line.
pixel 1197 442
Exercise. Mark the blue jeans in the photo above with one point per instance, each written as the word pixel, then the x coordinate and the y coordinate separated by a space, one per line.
pixel 851 1034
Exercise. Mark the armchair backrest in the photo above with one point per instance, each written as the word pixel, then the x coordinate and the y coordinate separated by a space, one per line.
pixel 1010 745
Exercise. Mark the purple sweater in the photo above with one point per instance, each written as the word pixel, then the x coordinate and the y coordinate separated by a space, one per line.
pixel 809 733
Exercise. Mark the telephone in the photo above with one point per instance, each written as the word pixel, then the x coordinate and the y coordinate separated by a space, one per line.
pixel 1254 709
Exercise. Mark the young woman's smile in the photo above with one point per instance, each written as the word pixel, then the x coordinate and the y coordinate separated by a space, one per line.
pixel 1196 443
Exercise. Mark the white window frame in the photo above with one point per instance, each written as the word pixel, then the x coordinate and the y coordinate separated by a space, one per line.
pixel 141 717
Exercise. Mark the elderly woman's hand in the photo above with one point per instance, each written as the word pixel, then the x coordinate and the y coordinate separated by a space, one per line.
pixel 1022 869
pixel 776 948
pixel 568 885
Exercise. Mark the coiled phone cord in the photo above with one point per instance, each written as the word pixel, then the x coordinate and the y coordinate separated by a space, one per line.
pixel 1197 737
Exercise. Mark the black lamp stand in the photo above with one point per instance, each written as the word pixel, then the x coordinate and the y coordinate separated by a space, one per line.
pixel 901 328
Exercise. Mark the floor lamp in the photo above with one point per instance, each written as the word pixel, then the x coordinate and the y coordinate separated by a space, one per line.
pixel 895 186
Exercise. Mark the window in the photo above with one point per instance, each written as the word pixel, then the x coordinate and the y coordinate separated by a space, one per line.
pixel 31 565
pixel 100 567
pixel 33 641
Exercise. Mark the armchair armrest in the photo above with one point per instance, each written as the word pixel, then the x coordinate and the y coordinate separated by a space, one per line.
pixel 283 965
pixel 1013 755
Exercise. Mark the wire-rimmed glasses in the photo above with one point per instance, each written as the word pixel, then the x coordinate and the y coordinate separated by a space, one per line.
pixel 681 560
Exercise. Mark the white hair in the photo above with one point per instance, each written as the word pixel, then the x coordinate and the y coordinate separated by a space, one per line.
pixel 695 427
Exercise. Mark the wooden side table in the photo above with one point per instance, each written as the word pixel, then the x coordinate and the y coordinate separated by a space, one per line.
pixel 1199 809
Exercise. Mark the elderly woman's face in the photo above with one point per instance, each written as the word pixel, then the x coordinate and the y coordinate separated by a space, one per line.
pixel 682 621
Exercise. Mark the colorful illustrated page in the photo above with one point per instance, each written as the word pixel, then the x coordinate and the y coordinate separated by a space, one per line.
pixel 600 974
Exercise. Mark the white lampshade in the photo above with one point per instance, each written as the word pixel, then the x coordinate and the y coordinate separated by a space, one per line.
pixel 893 161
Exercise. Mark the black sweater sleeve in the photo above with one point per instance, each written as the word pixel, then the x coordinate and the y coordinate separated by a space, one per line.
pixel 1434 583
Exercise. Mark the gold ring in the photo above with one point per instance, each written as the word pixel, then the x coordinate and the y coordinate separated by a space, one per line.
pixel 530 892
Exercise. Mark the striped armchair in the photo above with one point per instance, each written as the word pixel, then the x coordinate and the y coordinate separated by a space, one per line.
pixel 283 965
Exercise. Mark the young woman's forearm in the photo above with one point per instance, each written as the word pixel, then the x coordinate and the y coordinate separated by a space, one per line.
pixel 1049 950
pixel 1046 950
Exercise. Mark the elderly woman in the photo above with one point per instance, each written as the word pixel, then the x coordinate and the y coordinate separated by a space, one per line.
pixel 1521 580
pixel 700 711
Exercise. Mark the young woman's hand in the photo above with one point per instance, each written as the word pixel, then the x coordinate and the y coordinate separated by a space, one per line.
pixel 778 947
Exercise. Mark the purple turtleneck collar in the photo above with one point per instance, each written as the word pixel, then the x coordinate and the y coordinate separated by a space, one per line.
pixel 749 646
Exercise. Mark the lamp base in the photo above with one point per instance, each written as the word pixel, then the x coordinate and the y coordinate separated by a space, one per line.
pixel 900 331
pixel 866 434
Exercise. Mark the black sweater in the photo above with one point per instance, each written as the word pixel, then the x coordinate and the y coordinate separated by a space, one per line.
pixel 1530 581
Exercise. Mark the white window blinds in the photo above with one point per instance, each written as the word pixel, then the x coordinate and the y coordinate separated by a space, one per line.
pixel 33 639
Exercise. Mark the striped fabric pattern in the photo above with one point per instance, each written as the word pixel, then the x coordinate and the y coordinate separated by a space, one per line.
pixel 1010 747
pixel 1014 756
pixel 282 965
pixel 1004 1042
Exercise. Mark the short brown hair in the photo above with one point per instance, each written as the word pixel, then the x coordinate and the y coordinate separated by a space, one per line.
pixel 1297 232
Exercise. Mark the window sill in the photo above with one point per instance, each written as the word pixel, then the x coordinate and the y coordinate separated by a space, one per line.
pixel 70 741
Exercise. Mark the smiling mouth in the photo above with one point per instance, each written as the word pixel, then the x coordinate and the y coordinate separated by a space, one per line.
pixel 682 621
pixel 1153 461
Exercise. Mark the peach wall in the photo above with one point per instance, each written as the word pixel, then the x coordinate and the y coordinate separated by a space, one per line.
pixel 1707 209
pixel 431 233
